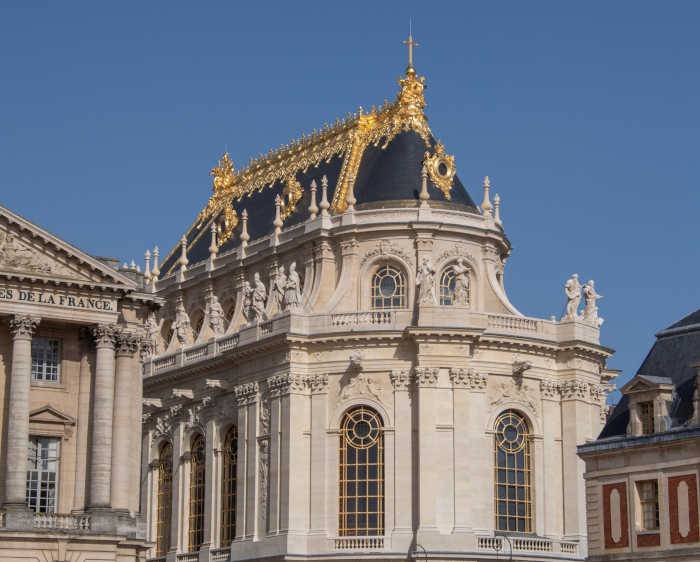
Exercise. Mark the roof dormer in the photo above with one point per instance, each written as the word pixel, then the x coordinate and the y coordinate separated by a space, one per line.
pixel 649 399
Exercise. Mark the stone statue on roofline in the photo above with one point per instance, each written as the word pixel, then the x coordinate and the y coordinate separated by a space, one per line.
pixel 279 286
pixel 182 327
pixel 461 292
pixel 216 315
pixel 590 309
pixel 248 310
pixel 259 298
pixel 572 289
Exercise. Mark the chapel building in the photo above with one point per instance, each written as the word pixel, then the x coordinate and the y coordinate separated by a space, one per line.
pixel 642 471
pixel 338 372
pixel 70 400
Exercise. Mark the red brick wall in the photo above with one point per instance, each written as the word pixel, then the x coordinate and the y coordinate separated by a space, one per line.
pixel 621 487
pixel 694 532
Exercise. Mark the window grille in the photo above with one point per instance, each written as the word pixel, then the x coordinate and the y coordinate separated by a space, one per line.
pixel 42 474
pixel 361 494
pixel 197 468
pixel 388 288
pixel 646 416
pixel 447 287
pixel 648 491
pixel 165 496
pixel 228 487
pixel 46 356
pixel 513 466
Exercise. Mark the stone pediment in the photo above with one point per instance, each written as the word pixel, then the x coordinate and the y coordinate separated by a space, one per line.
pixel 645 383
pixel 28 250
pixel 49 414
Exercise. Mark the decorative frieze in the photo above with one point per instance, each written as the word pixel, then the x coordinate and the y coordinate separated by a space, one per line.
pixel 574 390
pixel 287 383
pixel 426 376
pixel 386 248
pixel 401 380
pixel 549 390
pixel 23 325
pixel 468 379
pixel 317 383
pixel 246 393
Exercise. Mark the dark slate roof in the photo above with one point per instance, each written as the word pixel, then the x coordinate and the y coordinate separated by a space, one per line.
pixel 385 174
pixel 676 350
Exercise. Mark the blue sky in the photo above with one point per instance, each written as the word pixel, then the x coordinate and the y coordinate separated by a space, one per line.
pixel 585 116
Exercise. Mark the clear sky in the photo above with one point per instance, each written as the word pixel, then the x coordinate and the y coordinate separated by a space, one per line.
pixel 585 115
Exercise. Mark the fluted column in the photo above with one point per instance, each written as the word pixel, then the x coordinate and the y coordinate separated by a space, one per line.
pixel 22 328
pixel 123 447
pixel 102 411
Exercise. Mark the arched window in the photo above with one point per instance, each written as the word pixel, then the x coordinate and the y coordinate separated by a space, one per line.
pixel 197 467
pixel 361 494
pixel 454 284
pixel 228 487
pixel 165 497
pixel 388 288
pixel 513 477
pixel 197 323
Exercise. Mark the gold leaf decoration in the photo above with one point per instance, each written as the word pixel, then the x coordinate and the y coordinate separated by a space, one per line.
pixel 441 169
pixel 291 194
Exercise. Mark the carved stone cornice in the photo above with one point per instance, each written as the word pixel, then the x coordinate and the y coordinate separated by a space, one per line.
pixel 104 335
pixel 426 376
pixel 468 379
pixel 246 393
pixel 401 380
pixel 550 390
pixel 23 326
pixel 574 390
pixel 317 383
pixel 126 343
pixel 279 385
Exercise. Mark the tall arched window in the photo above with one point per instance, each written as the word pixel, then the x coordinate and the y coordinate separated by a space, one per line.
pixel 454 284
pixel 197 467
pixel 228 487
pixel 388 288
pixel 165 497
pixel 361 493
pixel 513 477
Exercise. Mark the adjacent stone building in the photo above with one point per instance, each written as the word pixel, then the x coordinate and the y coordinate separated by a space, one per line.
pixel 642 471
pixel 70 389
pixel 337 372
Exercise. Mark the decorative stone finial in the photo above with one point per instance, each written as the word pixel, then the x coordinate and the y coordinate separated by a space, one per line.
pixel 313 208
pixel 213 247
pixel 497 208
pixel 183 261
pixel 244 232
pixel 325 205
pixel 155 272
pixel 278 219
pixel 147 269
pixel 486 206
pixel 424 195
pixel 350 197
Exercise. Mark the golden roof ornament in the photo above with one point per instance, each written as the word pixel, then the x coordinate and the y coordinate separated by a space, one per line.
pixel 441 169
pixel 225 188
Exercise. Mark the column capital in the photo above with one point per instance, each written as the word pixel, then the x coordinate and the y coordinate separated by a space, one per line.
pixel 104 335
pixel 23 326
pixel 127 343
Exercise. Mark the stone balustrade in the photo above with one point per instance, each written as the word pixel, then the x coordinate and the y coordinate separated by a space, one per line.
pixel 525 545
pixel 219 554
pixel 358 543
pixel 64 521
pixel 375 320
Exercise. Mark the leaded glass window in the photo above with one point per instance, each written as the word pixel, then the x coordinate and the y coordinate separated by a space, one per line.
pixel 388 288
pixel 165 496
pixel 197 468
pixel 646 416
pixel 513 473
pixel 42 474
pixel 648 491
pixel 228 487
pixel 361 493
pixel 46 357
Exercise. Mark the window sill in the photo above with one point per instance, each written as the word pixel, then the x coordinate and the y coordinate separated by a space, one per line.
pixel 55 385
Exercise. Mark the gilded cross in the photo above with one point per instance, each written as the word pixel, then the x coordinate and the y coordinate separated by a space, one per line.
pixel 410 43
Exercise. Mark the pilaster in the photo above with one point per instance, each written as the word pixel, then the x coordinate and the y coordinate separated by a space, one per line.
pixel 426 380
pixel 402 382
pixel 318 384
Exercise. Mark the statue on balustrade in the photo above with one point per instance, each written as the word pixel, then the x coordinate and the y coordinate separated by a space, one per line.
pixel 461 292
pixel 182 327
pixel 292 290
pixel 259 298
pixel 248 310
pixel 572 289
pixel 216 315
pixel 590 309
pixel 278 288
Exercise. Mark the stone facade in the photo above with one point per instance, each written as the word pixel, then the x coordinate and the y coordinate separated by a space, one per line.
pixel 437 375
pixel 70 326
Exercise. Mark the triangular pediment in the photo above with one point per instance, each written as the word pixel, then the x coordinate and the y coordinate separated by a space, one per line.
pixel 27 250
pixel 643 383
pixel 49 414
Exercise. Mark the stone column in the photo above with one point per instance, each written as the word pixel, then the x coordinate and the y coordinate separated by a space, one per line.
pixel 22 328
pixel 123 446
pixel 102 412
